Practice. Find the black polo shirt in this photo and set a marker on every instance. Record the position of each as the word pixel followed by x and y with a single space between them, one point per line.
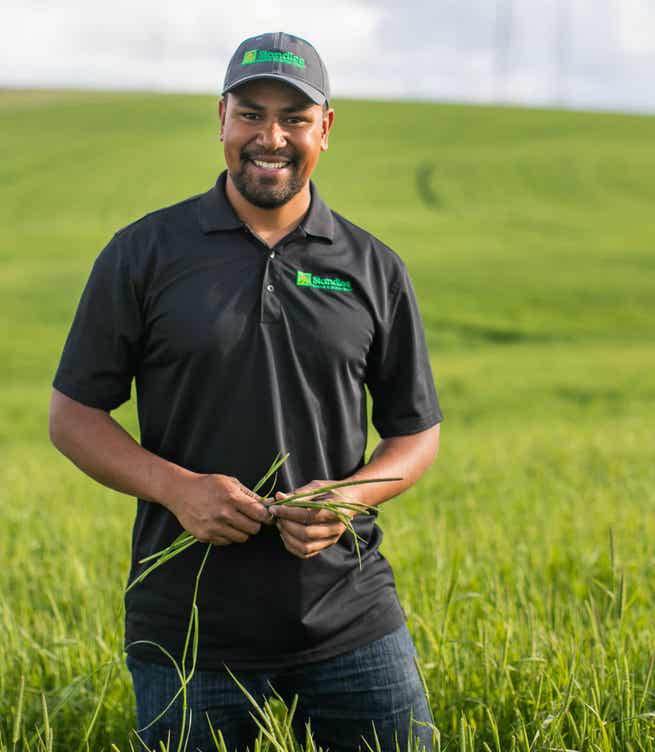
pixel 239 351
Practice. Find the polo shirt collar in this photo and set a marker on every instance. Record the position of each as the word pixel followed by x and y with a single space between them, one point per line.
pixel 318 221
pixel 216 213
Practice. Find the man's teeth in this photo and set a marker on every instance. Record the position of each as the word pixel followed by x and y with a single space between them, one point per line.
pixel 270 165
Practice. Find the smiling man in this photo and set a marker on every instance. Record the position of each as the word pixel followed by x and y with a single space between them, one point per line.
pixel 251 319
pixel 270 173
pixel 273 135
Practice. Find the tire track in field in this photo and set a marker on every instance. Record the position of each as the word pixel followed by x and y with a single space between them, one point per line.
pixel 426 192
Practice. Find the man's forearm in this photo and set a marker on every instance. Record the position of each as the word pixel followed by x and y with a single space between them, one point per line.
pixel 406 457
pixel 104 450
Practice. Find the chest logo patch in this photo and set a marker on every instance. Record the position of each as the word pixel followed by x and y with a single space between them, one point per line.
pixel 307 279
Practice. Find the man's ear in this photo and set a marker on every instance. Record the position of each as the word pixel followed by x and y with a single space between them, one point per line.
pixel 222 107
pixel 326 127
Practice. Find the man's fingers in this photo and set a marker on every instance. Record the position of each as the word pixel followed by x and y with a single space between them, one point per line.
pixel 243 523
pixel 315 485
pixel 234 533
pixel 251 507
pixel 305 550
pixel 310 533
pixel 296 547
pixel 304 516
pixel 271 518
pixel 223 536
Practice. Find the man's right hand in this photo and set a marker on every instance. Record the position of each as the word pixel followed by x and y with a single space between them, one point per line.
pixel 218 509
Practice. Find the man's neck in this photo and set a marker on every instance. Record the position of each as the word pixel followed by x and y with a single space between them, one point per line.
pixel 270 225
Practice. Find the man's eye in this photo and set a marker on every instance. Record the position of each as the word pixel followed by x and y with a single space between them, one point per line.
pixel 250 115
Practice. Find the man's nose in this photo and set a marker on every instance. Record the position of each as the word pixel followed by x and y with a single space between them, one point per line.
pixel 272 135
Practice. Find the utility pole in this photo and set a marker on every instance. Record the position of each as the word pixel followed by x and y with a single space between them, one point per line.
pixel 504 23
pixel 562 52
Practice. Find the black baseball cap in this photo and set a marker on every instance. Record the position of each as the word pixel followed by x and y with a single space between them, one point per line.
pixel 283 57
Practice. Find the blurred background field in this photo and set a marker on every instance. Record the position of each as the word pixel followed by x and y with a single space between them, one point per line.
pixel 524 557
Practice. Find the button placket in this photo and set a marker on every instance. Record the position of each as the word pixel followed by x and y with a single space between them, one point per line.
pixel 270 308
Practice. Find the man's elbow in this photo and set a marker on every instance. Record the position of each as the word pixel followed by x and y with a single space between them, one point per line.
pixel 65 418
pixel 434 434
pixel 424 450
pixel 56 419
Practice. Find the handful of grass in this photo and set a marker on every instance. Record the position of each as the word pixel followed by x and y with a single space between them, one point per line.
pixel 306 500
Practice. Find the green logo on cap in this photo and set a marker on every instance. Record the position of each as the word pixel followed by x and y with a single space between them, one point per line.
pixel 307 279
pixel 269 56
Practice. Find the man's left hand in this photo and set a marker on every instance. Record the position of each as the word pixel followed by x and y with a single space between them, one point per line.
pixel 306 532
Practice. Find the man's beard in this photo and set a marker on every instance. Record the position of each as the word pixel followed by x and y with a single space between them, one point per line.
pixel 258 193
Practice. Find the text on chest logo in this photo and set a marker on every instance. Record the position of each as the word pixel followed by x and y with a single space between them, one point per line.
pixel 307 279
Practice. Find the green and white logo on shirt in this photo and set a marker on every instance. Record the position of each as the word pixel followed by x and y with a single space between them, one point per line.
pixel 307 279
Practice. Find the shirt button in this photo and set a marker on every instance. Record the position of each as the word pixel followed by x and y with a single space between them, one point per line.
pixel 272 254
pixel 270 288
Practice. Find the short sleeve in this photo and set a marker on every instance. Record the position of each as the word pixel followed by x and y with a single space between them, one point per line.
pixel 399 375
pixel 99 358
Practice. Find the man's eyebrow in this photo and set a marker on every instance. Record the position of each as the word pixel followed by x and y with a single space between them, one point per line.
pixel 299 106
pixel 243 102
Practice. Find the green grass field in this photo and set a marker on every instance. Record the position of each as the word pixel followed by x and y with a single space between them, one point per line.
pixel 525 556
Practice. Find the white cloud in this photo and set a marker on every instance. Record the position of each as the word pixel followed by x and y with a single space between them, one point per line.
pixel 637 27
pixel 579 52
pixel 164 45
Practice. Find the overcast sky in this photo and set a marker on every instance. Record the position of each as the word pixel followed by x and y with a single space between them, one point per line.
pixel 577 53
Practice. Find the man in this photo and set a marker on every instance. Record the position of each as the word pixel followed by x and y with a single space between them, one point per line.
pixel 251 317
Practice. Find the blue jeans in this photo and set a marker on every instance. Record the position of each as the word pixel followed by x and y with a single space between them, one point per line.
pixel 342 697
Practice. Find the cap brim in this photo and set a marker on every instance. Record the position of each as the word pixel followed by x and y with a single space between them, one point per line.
pixel 309 91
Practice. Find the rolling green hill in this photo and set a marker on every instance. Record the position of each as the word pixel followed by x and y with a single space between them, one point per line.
pixel 530 238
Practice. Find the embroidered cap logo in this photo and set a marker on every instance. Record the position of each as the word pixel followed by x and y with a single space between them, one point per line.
pixel 273 56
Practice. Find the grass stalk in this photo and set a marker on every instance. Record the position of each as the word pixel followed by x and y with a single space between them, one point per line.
pixel 15 736
pixel 98 707
pixel 47 730
pixel 306 500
